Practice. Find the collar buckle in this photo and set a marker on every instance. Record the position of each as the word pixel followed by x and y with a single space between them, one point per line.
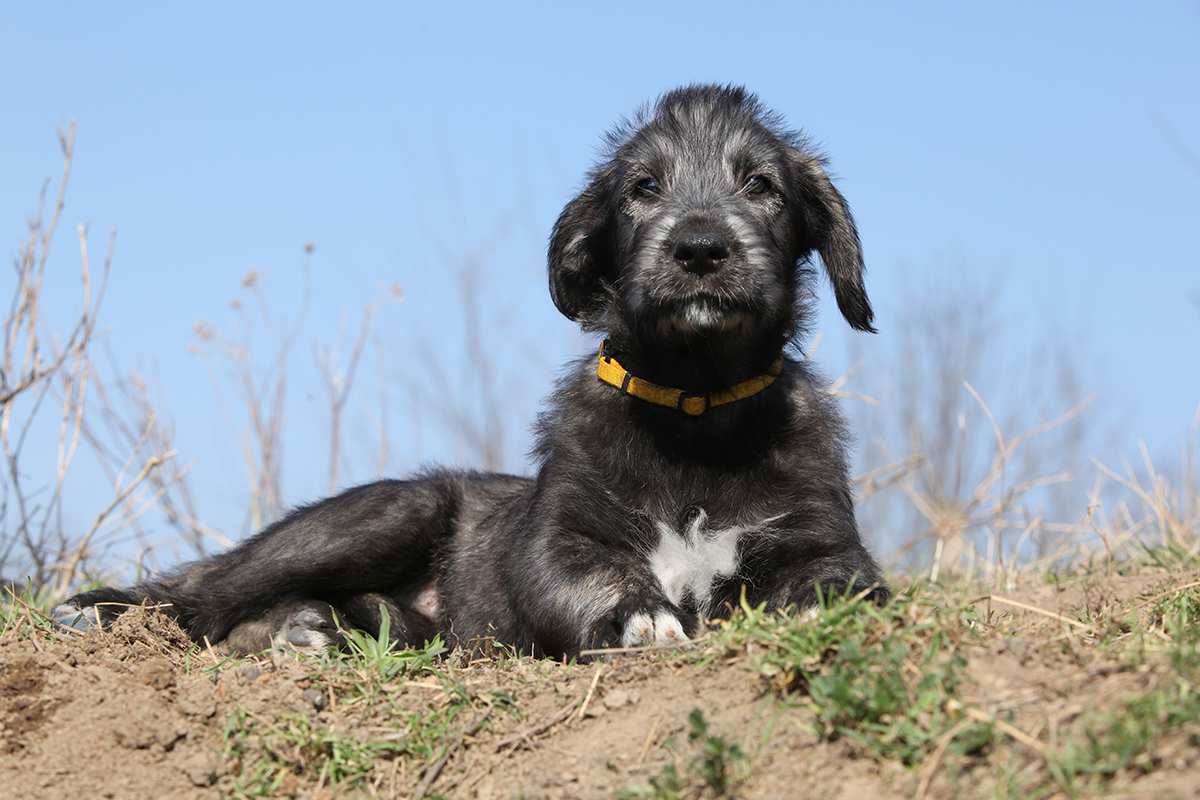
pixel 692 404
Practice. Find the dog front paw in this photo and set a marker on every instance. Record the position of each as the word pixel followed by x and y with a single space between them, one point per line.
pixel 639 622
pixel 660 627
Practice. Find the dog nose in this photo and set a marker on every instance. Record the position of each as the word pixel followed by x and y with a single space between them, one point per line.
pixel 701 253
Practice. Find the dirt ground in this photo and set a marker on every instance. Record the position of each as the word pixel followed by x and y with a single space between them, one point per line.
pixel 136 712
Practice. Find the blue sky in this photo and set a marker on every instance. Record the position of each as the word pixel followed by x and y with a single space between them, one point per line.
pixel 1052 145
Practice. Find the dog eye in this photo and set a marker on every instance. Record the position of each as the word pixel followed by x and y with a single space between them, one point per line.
pixel 757 184
pixel 647 187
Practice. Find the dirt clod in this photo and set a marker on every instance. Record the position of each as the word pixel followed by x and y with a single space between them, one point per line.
pixel 617 698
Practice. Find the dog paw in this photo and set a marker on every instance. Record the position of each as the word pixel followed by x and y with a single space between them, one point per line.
pixel 94 609
pixel 307 629
pixel 658 628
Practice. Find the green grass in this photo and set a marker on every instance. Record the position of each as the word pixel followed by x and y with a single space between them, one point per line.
pixel 292 751
pixel 379 655
pixel 1123 740
pixel 890 681
pixel 1115 742
pixel 266 755
pixel 715 770
pixel 886 679
pixel 1170 557
pixel 1177 614
pixel 24 613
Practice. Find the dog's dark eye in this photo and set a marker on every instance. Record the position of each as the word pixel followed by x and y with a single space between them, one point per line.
pixel 647 187
pixel 757 184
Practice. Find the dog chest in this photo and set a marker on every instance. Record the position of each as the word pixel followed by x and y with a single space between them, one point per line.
pixel 687 562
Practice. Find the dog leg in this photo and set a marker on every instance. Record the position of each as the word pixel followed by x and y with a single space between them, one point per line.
pixel 583 595
pixel 312 626
pixel 798 576
pixel 380 537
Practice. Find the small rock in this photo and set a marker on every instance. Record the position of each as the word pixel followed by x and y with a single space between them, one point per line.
pixel 249 673
pixel 201 770
pixel 1018 646
pixel 156 674
pixel 149 729
pixel 171 735
pixel 315 698
pixel 198 703
pixel 617 698
pixel 135 738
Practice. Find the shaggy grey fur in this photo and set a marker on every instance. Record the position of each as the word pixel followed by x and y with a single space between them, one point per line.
pixel 688 249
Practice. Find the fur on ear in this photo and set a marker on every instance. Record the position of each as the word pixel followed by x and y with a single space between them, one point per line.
pixel 579 254
pixel 832 233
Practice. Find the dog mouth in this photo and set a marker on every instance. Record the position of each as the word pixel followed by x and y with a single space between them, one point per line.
pixel 703 314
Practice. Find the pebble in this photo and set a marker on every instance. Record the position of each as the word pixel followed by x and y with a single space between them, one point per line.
pixel 249 673
pixel 617 698
pixel 315 698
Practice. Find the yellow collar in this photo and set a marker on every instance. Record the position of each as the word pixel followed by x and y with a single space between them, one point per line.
pixel 611 372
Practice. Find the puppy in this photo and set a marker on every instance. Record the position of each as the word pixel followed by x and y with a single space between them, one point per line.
pixel 690 460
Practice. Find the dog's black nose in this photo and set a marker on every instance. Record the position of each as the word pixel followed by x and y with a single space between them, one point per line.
pixel 701 253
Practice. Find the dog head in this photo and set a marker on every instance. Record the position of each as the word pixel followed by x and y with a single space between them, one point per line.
pixel 698 227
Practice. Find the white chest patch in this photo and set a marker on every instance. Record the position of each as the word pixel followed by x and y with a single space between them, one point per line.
pixel 687 562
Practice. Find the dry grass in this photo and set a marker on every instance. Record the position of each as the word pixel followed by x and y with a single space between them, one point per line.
pixel 45 384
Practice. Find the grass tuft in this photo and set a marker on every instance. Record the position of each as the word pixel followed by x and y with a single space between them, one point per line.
pixel 886 679
pixel 716 769
pixel 1122 740
pixel 278 756
pixel 23 612
pixel 380 655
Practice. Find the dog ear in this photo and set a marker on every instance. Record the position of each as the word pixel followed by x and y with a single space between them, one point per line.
pixel 830 230
pixel 579 256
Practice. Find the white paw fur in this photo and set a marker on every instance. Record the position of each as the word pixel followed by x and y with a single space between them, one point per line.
pixel 661 629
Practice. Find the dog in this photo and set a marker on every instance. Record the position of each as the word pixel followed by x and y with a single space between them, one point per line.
pixel 693 463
